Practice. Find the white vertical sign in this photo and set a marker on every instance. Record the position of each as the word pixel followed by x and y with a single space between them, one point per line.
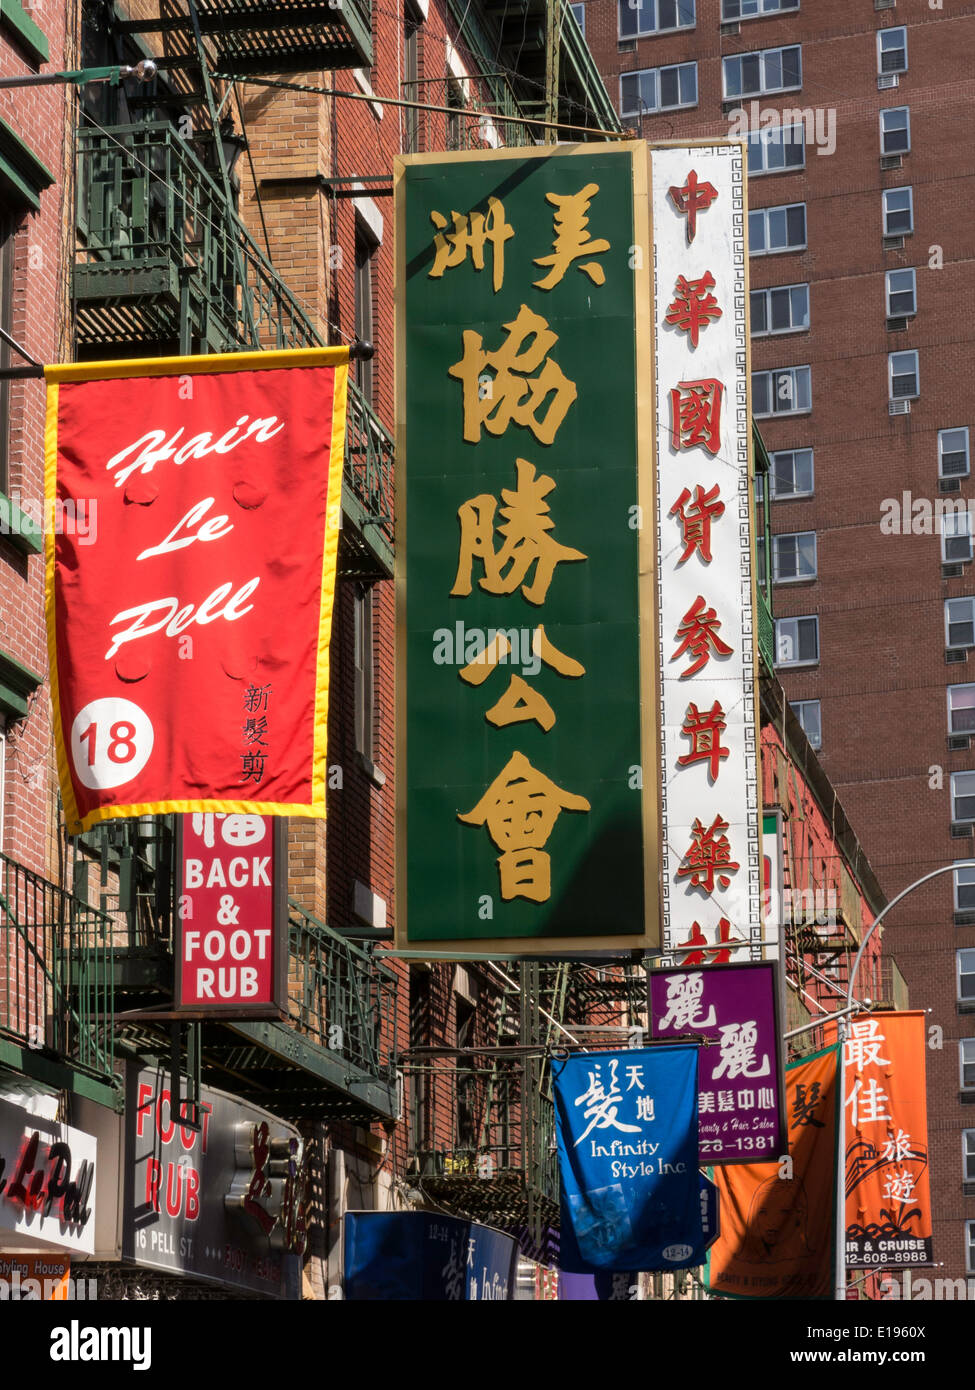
pixel 711 844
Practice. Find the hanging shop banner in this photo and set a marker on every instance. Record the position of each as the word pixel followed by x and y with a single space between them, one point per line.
pixel 888 1197
pixel 526 757
pixel 773 920
pixel 626 1124
pixel 778 1220
pixel 741 1089
pixel 422 1255
pixel 189 618
pixel 605 1287
pixel 712 872
pixel 47 1176
pixel 233 915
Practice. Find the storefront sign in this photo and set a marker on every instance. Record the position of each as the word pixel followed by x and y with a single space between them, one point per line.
pixel 712 895
pixel 741 1092
pixel 420 1255
pixel 233 918
pixel 47 1173
pixel 188 627
pixel 526 759
pixel 626 1124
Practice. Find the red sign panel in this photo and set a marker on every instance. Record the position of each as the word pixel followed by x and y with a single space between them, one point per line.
pixel 189 617
pixel 232 915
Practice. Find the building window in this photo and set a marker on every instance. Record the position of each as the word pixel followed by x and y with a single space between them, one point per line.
pixel 772 151
pixel 757 74
pixel 891 51
pixel 796 641
pixel 901 293
pixel 794 557
pixel 365 249
pixel 963 809
pixel 809 714
pixel 966 959
pixel 966 1061
pixel 457 101
pixel 365 689
pixel 640 17
pixel 579 14
pixel 777 229
pixel 903 380
pixel 658 89
pixel 953 453
pixel 898 211
pixel 784 309
pixel 970 1247
pixel 961 720
pixel 411 79
pixel 956 537
pixel 787 391
pixel 960 622
pixel 754 9
pixel 968 1155
pixel 895 130
pixel 791 473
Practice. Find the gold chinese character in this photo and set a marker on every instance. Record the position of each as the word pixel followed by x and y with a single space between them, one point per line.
pixel 572 239
pixel 520 809
pixel 513 394
pixel 471 232
pixel 521 702
pixel 525 531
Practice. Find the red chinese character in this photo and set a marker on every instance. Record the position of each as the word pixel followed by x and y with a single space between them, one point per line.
pixel 698 630
pixel 695 520
pixel 704 731
pixel 260 1186
pixel 720 952
pixel 693 198
pixel 708 853
pixel 695 415
pixel 694 306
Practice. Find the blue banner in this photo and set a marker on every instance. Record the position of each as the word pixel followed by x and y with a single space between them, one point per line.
pixel 631 1192
pixel 421 1255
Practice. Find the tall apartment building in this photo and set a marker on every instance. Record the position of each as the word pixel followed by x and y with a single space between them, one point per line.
pixel 860 120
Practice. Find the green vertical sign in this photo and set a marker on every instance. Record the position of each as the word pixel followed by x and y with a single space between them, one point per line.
pixel 527 764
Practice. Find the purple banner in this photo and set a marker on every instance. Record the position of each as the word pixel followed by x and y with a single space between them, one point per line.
pixel 741 1092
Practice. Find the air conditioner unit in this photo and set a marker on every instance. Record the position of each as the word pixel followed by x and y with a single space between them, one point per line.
pixel 961 829
pixel 886 80
pixel 951 571
pixel 893 243
pixel 954 654
pixel 884 4
pixel 958 743
pixel 965 919
pixel 626 46
pixel 897 325
pixel 898 407
pixel 728 31
pixel 891 161
pixel 949 485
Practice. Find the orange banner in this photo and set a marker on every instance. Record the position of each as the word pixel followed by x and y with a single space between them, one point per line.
pixel 778 1221
pixel 888 1198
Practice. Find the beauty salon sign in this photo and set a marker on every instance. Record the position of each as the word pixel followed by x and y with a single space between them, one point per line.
pixel 189 639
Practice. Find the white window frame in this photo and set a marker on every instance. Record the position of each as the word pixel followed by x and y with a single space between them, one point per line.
pixel 953 429
pixel 778 578
pixel 889 111
pixel 885 212
pixel 654 110
pixel 762 54
pixel 963 685
pixel 805 661
pixel 893 313
pixel 886 33
pixel 798 706
pixel 962 1063
pixel 904 396
pixel 968 1155
pixel 949 622
pixel 761 140
pixel 955 526
pixel 958 795
pixel 579 14
pixel 654 28
pixel 775 393
pixel 970 1247
pixel 765 8
pixel 770 332
pixel 968 969
pixel 766 215
pixel 779 453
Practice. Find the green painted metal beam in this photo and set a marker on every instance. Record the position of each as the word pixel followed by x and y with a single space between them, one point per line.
pixel 291 1047
pixel 60 1075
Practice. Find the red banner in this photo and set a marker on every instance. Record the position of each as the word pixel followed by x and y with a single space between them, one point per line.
pixel 190 576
